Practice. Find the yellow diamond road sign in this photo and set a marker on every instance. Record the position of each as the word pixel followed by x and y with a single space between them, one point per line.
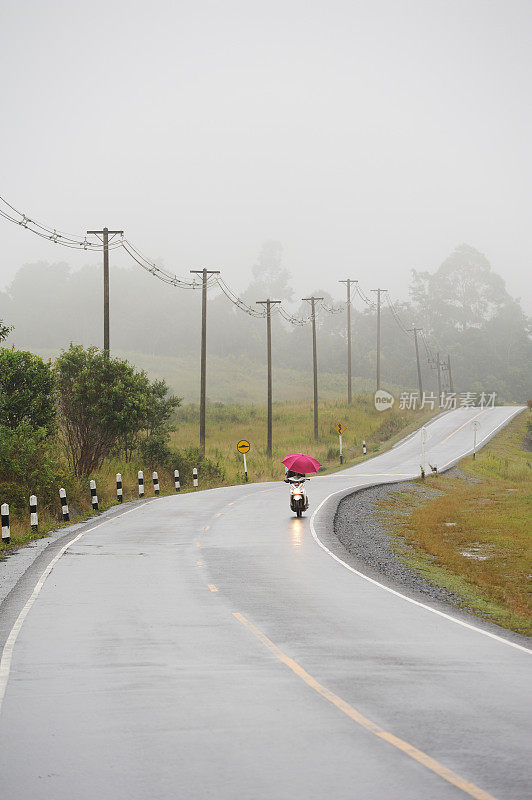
pixel 340 428
pixel 243 446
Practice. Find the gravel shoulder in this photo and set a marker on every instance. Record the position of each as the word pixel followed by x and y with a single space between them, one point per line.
pixel 361 530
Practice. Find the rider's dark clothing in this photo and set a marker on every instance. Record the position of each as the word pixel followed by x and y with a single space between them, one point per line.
pixel 291 474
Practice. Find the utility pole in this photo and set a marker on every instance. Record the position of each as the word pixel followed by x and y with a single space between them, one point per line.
pixel 420 385
pixel 203 388
pixel 438 363
pixel 378 335
pixel 348 283
pixel 451 385
pixel 313 301
pixel 269 303
pixel 105 233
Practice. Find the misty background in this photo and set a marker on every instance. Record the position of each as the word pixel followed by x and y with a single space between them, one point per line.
pixel 366 139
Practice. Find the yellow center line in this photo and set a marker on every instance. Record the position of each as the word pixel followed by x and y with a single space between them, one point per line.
pixel 418 755
pixel 212 587
pixel 462 426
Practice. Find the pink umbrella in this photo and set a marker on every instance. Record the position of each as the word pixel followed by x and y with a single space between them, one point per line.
pixel 302 463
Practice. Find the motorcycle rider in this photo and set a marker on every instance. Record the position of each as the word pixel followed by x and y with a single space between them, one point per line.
pixel 289 473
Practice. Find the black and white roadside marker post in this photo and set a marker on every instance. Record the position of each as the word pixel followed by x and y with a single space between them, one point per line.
pixel 364 448
pixel 177 484
pixel 244 447
pixel 94 496
pixel 34 516
pixel 195 477
pixel 119 490
pixel 6 530
pixel 155 479
pixel 64 505
pixel 141 483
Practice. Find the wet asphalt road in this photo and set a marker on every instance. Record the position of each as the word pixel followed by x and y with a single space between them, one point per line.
pixel 131 676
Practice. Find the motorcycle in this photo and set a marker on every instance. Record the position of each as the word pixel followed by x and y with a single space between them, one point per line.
pixel 298 496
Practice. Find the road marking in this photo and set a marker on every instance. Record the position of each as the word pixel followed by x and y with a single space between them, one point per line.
pixel 198 544
pixel 219 514
pixel 398 594
pixel 418 755
pixel 212 587
pixel 7 652
pixel 199 563
pixel 207 528
pixel 462 426
pixel 231 504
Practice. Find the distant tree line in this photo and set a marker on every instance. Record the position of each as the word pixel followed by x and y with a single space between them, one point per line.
pixel 463 308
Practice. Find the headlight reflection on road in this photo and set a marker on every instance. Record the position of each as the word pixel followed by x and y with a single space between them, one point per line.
pixel 296 533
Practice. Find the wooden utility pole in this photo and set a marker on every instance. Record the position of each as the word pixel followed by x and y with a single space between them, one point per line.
pixel 203 381
pixel 313 301
pixel 269 303
pixel 438 364
pixel 451 385
pixel 378 335
pixel 420 385
pixel 105 233
pixel 348 283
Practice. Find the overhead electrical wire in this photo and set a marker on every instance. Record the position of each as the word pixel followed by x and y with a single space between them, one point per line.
pixel 75 241
pixel 78 242
pixel 159 272
pixel 364 297
pixel 396 316
pixel 237 301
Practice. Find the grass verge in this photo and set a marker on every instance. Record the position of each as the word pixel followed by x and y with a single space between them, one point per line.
pixel 473 536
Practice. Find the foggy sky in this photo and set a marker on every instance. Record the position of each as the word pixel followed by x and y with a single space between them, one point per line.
pixel 367 137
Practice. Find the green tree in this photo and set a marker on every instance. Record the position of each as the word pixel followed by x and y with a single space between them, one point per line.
pixel 28 465
pixel 102 402
pixel 463 293
pixel 5 330
pixel 26 390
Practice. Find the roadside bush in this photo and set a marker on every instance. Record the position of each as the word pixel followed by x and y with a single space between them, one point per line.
pixel 185 461
pixel 26 390
pixel 28 465
pixel 105 403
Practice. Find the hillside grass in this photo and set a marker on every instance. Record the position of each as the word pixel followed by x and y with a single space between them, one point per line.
pixel 293 431
pixel 226 425
pixel 239 381
pixel 474 536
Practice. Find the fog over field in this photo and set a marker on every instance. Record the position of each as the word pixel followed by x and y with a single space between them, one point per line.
pixel 368 138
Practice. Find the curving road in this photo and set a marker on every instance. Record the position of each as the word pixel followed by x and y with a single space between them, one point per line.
pixel 210 645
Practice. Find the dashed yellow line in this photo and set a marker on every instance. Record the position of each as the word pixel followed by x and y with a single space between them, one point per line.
pixel 462 426
pixel 212 587
pixel 418 755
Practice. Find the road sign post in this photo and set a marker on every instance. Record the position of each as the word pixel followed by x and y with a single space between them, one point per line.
pixel 244 447
pixel 340 429
pixel 476 425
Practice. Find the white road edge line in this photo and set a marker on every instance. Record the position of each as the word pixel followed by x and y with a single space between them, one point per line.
pixel 399 594
pixel 7 652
